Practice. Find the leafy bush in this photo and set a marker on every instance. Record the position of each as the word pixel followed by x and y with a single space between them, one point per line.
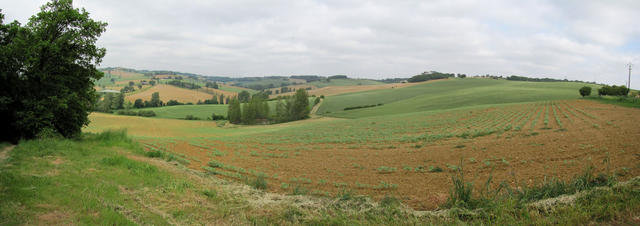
pixel 215 117
pixel 146 113
pixel 613 91
pixel 173 103
pixel 585 91
pixel 191 117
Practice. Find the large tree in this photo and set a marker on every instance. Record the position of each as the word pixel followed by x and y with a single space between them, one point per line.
pixel 47 72
pixel 300 107
pixel 234 113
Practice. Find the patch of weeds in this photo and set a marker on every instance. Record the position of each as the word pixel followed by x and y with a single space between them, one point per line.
pixel 210 193
pixel 299 190
pixel 435 169
pixel 154 154
pixel 386 169
pixel 340 184
pixel 453 167
pixel 284 185
pixel 292 214
pixel 385 186
pixel 389 201
pixel 259 183
pixel 215 164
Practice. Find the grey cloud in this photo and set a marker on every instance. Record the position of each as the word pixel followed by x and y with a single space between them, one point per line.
pixel 375 39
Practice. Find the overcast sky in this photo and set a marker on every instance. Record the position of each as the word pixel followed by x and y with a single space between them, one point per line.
pixel 585 40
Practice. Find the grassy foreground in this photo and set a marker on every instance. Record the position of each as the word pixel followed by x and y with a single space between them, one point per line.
pixel 108 179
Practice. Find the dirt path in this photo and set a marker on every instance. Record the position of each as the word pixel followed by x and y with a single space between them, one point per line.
pixel 4 153
pixel 315 108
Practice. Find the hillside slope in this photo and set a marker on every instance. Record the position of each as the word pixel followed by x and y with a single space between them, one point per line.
pixel 447 94
pixel 168 92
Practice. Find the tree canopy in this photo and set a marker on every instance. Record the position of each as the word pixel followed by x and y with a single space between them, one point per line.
pixel 47 72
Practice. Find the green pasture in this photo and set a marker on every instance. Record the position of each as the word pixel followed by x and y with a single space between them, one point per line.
pixel 344 82
pixel 447 94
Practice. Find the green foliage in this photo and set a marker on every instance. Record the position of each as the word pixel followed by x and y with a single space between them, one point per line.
pixel 234 112
pixel 554 187
pixel 257 110
pixel 613 91
pixel 191 117
pixel 138 103
pixel 155 100
pixel 432 75
pixel 259 183
pixel 585 91
pixel 143 113
pixel 47 71
pixel 181 84
pixel 212 85
pixel 244 96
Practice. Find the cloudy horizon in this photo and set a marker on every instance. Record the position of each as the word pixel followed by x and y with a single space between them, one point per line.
pixel 576 40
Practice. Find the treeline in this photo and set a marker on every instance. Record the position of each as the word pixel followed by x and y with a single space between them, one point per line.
pixel 256 110
pixel 186 85
pixel 613 90
pixel 363 106
pixel 431 75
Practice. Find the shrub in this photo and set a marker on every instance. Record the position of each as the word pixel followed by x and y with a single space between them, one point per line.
pixel 215 117
pixel 147 113
pixel 154 154
pixel 613 91
pixel 585 91
pixel 191 117
pixel 173 103
pixel 259 183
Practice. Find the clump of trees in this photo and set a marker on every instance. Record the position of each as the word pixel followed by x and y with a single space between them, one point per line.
pixel 47 72
pixel 613 91
pixel 585 91
pixel 431 75
pixel 244 96
pixel 142 113
pixel 110 102
pixel 257 109
pixel 212 85
pixel 181 84
pixel 294 108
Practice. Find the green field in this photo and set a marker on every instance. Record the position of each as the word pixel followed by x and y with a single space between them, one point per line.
pixel 202 111
pixel 344 82
pixel 447 94
pixel 237 90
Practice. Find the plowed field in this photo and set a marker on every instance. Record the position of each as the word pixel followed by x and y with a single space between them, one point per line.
pixel 401 155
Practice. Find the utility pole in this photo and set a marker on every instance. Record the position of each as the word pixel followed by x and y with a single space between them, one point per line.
pixel 629 81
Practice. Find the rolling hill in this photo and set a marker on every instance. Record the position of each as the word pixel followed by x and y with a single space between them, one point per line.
pixel 446 94
pixel 168 92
